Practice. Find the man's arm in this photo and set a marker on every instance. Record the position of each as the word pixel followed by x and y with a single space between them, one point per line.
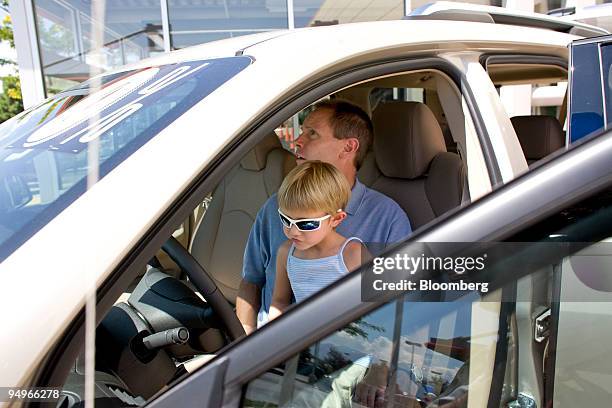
pixel 255 261
pixel 248 302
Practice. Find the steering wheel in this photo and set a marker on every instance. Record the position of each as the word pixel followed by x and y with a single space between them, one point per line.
pixel 206 286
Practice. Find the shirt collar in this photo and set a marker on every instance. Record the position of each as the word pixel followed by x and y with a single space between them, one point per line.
pixel 357 194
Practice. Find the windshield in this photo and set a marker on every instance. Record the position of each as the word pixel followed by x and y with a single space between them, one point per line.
pixel 44 151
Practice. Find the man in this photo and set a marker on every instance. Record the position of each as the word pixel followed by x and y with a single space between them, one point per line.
pixel 338 133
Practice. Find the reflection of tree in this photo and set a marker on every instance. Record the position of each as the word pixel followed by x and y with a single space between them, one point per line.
pixel 334 360
pixel 358 328
pixel 316 367
pixel 56 37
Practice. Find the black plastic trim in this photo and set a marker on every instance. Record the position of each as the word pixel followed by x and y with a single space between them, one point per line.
pixel 555 309
pixel 493 58
pixel 507 309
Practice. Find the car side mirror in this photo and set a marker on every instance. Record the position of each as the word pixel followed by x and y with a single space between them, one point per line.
pixel 14 193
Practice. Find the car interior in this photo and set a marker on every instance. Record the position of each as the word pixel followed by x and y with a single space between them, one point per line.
pixel 542 132
pixel 416 115
pixel 409 115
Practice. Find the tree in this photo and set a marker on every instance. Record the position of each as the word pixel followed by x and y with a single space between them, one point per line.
pixel 11 102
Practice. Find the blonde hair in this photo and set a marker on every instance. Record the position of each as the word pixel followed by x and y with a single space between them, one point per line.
pixel 314 185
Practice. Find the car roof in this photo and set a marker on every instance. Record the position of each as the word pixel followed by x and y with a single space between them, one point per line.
pixel 503 15
pixel 367 35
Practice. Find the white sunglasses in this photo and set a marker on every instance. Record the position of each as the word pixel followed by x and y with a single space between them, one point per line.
pixel 303 224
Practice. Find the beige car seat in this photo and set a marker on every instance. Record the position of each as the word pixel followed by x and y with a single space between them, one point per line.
pixel 539 135
pixel 410 163
pixel 220 237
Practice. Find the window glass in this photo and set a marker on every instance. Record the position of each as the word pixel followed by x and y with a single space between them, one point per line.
pixel 417 354
pixel 392 348
pixel 65 35
pixel 379 95
pixel 309 13
pixel 43 161
pixel 198 22
pixel 586 103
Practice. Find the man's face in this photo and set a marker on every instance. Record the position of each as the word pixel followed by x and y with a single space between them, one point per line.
pixel 317 141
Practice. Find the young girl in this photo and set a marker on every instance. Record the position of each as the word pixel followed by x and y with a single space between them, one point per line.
pixel 311 204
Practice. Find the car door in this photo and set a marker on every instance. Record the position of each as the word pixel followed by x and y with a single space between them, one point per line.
pixel 461 351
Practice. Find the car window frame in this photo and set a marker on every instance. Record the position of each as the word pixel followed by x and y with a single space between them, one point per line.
pixel 527 59
pixel 589 163
pixel 599 41
pixel 63 353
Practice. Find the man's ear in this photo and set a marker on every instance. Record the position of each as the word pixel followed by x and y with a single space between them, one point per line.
pixel 351 145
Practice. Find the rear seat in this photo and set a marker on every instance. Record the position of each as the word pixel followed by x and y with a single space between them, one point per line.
pixel 410 163
pixel 539 136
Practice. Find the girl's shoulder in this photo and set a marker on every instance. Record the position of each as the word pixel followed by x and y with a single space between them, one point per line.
pixel 354 254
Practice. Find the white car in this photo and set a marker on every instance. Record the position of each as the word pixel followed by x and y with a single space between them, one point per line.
pixel 97 178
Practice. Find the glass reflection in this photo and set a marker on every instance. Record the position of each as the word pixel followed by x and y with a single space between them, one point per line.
pixel 196 22
pixel 65 38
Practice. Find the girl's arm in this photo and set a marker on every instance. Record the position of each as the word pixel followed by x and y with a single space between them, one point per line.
pixel 355 254
pixel 281 297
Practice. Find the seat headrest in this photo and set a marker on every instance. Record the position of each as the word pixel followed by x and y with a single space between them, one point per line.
pixel 407 137
pixel 539 135
pixel 255 160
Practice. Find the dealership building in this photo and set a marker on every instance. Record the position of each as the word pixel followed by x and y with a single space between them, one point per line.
pixel 54 38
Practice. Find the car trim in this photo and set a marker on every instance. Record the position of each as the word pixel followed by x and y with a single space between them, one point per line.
pixel 555 309
pixel 603 39
pixel 218 167
pixel 492 59
pixel 484 138
pixel 502 15
pixel 603 87
pixel 506 311
pixel 570 60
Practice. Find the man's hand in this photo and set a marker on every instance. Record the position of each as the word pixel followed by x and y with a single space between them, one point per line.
pixel 370 392
pixel 248 301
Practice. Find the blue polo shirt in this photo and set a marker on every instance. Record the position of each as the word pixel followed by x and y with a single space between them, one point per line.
pixel 371 216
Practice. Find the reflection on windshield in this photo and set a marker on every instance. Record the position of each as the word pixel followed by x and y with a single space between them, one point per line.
pixel 43 151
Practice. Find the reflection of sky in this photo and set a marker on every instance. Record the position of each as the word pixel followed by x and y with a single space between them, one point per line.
pixel 421 322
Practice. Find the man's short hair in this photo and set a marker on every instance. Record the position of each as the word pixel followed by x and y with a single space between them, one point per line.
pixel 348 120
pixel 315 186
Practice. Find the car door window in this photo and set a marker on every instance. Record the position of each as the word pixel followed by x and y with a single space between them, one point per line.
pixel 415 354
pixel 388 349
pixel 591 90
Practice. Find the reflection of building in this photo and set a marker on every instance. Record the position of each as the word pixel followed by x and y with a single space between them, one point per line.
pixel 54 37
